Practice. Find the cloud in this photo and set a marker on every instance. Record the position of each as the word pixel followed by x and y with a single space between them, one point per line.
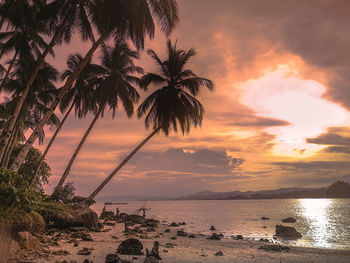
pixel 330 139
pixel 200 161
pixel 336 165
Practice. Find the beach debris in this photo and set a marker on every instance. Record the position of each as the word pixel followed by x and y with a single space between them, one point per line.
pixel 289 220
pixel 212 228
pixel 85 251
pixel 131 246
pixel 28 242
pixel 214 236
pixel 167 230
pixel 287 232
pixel 173 238
pixel 165 251
pixel 142 209
pixel 182 223
pixel 76 244
pixel 192 236
pixel 181 233
pixel 174 224
pixel 87 261
pixel 151 229
pixel 277 248
pixel 159 235
pixel 114 237
pixel 265 218
pixel 114 258
pixel 219 254
pixel 151 260
pixel 154 252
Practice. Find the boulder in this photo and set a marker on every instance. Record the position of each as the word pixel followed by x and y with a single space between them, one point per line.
pixel 214 236
pixel 114 258
pixel 219 254
pixel 167 230
pixel 28 242
pixel 287 232
pixel 212 228
pixel 85 251
pixel 136 219
pixel 289 220
pixel 109 215
pixel 265 218
pixel 63 216
pixel 131 246
pixel 174 224
pixel 150 223
pixel 181 233
pixel 191 236
pixel 277 248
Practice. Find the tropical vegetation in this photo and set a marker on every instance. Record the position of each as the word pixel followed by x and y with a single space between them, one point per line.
pixel 33 91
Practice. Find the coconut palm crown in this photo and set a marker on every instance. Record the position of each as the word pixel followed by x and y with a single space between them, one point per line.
pixel 174 104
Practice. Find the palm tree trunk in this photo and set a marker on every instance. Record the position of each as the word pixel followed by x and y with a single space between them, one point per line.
pixel 9 69
pixel 77 150
pixel 41 60
pixel 23 153
pixel 11 146
pixel 7 148
pixel 100 187
pixel 51 142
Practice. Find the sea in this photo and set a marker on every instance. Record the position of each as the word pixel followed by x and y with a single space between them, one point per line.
pixel 323 223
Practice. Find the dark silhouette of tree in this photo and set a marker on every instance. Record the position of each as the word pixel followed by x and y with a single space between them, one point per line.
pixel 173 105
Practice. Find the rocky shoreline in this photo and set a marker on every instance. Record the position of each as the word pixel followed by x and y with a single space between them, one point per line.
pixel 133 238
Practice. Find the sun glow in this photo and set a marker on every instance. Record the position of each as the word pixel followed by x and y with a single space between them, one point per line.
pixel 284 96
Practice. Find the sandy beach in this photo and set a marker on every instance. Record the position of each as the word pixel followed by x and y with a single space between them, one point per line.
pixel 184 249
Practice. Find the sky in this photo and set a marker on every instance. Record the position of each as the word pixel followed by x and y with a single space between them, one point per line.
pixel 279 115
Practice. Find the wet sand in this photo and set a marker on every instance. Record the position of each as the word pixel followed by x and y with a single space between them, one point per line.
pixel 190 250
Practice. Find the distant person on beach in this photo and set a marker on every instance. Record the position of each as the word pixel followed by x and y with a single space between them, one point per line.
pixel 104 209
pixel 117 212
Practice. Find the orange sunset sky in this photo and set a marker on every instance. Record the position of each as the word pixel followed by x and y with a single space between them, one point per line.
pixel 279 115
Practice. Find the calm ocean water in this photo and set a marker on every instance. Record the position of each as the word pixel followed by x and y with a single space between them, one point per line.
pixel 324 223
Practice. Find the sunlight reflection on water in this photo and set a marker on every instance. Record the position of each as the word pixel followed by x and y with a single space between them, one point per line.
pixel 322 222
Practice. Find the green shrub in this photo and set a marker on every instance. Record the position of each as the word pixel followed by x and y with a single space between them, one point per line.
pixel 64 193
pixel 15 194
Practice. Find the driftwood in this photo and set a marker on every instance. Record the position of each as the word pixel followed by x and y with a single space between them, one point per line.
pixel 142 209
pixel 155 251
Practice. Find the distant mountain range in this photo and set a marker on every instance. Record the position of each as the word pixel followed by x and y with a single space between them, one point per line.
pixel 339 189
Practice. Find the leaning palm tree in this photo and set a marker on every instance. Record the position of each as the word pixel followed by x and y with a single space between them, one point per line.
pixel 115 85
pixel 77 98
pixel 132 19
pixel 173 104
pixel 58 19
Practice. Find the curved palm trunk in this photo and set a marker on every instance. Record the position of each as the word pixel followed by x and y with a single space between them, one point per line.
pixel 41 60
pixel 23 153
pixel 9 69
pixel 100 187
pixel 50 143
pixel 77 150
pixel 11 146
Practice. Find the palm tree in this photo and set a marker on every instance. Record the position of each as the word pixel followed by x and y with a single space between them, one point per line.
pixel 43 92
pixel 173 104
pixel 78 98
pixel 23 40
pixel 58 18
pixel 131 19
pixel 114 86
